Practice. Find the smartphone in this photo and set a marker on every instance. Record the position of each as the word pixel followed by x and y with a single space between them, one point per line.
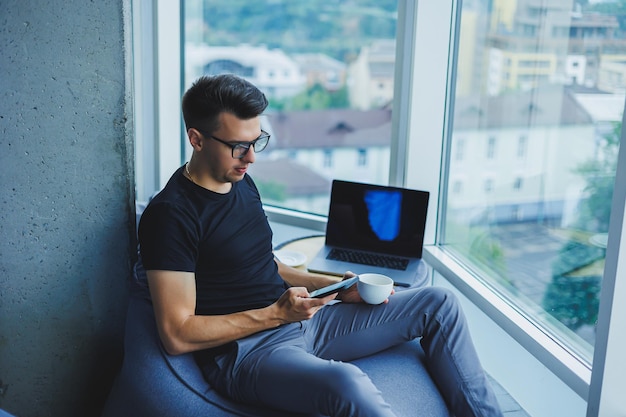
pixel 333 288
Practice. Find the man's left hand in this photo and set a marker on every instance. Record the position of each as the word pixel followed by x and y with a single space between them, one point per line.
pixel 351 295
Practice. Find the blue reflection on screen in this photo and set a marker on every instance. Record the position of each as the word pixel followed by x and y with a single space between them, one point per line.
pixel 383 212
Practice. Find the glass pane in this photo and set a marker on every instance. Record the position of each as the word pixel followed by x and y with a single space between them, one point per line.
pixel 535 134
pixel 327 69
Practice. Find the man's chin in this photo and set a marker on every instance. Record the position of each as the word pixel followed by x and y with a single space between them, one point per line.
pixel 236 177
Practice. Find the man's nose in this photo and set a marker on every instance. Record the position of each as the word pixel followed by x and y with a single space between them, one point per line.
pixel 250 156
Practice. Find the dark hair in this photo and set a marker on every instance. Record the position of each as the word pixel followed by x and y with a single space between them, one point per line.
pixel 211 95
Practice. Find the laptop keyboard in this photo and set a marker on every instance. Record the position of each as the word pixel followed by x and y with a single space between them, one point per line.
pixel 383 261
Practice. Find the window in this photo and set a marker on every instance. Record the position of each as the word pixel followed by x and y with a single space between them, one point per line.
pixel 362 157
pixel 491 147
pixel 564 201
pixel 459 146
pixel 488 185
pixel 522 143
pixel 328 72
pixel 328 158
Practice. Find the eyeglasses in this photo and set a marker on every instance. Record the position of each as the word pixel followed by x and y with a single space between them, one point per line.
pixel 240 149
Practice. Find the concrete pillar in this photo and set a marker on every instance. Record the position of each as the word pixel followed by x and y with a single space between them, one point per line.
pixel 66 203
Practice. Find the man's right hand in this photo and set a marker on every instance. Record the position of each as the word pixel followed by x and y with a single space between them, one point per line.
pixel 295 304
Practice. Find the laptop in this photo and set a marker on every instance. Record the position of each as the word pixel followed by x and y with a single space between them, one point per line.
pixel 374 229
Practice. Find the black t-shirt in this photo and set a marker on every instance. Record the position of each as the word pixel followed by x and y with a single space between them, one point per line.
pixel 225 239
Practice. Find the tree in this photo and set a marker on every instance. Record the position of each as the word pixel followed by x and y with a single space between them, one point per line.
pixel 572 295
pixel 337 28
pixel 599 174
pixel 614 8
pixel 315 97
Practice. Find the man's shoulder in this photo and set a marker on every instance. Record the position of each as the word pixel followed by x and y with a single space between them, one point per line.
pixel 169 204
pixel 165 207
pixel 174 194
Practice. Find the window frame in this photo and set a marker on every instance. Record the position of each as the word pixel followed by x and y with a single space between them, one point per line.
pixel 419 151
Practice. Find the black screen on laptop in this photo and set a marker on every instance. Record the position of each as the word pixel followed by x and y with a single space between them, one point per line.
pixel 375 218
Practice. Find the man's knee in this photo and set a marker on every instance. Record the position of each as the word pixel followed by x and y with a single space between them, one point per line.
pixel 344 378
pixel 443 298
pixel 436 306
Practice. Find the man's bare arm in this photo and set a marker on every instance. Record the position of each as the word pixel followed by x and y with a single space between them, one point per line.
pixel 181 330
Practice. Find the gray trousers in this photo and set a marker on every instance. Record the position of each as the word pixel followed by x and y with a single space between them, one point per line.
pixel 300 367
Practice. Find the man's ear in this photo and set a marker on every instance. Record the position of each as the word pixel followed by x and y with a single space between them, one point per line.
pixel 195 139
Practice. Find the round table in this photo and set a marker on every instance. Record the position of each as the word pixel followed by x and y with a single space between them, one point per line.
pixel 310 245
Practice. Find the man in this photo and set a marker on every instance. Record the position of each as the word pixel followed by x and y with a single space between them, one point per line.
pixel 258 337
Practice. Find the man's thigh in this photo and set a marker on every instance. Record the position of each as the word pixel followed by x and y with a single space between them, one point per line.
pixel 346 331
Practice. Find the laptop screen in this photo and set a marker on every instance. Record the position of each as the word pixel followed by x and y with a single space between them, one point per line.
pixel 376 218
